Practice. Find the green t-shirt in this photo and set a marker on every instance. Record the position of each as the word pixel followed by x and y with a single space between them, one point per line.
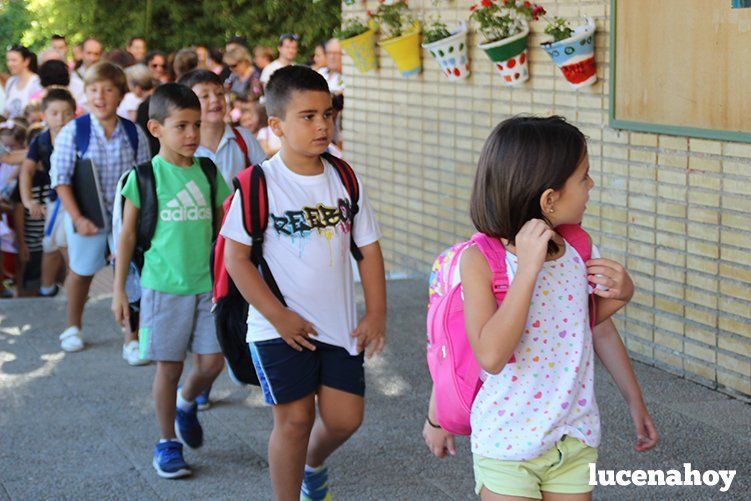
pixel 178 260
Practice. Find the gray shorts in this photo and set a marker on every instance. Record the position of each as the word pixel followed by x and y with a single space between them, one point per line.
pixel 172 324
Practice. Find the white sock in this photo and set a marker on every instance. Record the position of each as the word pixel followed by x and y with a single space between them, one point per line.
pixel 162 440
pixel 47 290
pixel 182 404
pixel 310 469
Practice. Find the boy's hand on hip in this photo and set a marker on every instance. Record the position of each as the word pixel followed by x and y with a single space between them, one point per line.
pixel 120 309
pixel 610 274
pixel 85 227
pixel 295 330
pixel 371 334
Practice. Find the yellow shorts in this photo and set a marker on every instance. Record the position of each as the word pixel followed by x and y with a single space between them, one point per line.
pixel 563 469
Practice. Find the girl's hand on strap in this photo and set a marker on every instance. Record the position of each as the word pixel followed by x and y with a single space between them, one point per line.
pixel 439 441
pixel 532 244
pixel 613 276
pixel 646 433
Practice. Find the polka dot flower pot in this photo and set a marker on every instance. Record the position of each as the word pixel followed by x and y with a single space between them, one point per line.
pixel 361 49
pixel 405 51
pixel 510 57
pixel 451 53
pixel 575 56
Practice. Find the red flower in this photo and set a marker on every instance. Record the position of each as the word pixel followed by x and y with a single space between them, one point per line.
pixel 487 3
pixel 368 13
pixel 474 7
pixel 527 4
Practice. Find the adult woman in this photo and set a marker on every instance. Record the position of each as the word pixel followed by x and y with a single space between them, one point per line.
pixel 24 81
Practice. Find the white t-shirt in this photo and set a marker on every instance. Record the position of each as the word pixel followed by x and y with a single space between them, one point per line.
pixel 307 247
pixel 16 98
pixel 269 70
pixel 272 140
pixel 228 157
pixel 76 88
pixel 129 104
pixel 333 78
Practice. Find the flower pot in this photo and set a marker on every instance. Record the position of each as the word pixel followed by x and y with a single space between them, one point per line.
pixel 510 57
pixel 361 49
pixel 575 56
pixel 405 51
pixel 451 53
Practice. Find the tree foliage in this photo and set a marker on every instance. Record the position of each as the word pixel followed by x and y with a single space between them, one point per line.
pixel 15 20
pixel 171 24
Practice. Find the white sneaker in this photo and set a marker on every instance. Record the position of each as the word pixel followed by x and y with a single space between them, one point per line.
pixel 71 340
pixel 132 355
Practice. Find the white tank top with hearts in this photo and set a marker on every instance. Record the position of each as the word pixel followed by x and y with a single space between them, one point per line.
pixel 548 391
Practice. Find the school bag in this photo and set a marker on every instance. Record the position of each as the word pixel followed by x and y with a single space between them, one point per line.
pixel 149 211
pixel 242 144
pixel 230 308
pixel 453 367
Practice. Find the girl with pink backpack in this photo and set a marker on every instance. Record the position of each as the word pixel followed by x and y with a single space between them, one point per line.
pixel 515 318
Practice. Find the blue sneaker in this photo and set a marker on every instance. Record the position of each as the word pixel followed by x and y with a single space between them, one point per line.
pixel 315 486
pixel 188 428
pixel 168 460
pixel 203 400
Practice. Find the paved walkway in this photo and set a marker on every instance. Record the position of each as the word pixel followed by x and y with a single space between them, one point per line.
pixel 81 426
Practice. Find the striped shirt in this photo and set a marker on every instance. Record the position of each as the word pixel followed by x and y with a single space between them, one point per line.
pixel 112 157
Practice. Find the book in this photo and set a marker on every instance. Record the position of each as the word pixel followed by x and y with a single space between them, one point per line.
pixel 88 192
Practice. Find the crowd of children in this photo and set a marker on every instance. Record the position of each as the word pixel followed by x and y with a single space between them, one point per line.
pixel 166 137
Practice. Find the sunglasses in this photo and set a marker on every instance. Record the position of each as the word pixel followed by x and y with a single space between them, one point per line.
pixel 157 65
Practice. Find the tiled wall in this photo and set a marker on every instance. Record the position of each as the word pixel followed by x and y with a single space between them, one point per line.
pixel 675 210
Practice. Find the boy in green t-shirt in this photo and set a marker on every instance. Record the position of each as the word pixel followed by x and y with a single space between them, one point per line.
pixel 176 278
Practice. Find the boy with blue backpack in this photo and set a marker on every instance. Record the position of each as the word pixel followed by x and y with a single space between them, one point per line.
pixel 297 218
pixel 172 208
pixel 113 145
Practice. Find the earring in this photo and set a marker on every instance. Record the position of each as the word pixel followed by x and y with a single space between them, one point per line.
pixel 551 210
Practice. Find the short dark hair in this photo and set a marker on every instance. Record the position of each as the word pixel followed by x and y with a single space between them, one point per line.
pixel 522 157
pixel 239 40
pixel 152 54
pixel 58 37
pixel 195 77
pixel 54 72
pixel 171 97
pixel 58 94
pixel 285 81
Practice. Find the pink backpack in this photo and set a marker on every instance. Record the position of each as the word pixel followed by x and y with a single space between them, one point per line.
pixel 453 367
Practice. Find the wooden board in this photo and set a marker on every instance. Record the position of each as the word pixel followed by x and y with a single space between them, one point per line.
pixel 683 67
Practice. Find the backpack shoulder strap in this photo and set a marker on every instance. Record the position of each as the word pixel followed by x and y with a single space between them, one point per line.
pixel 495 254
pixel 349 180
pixel 132 133
pixel 209 170
pixel 149 210
pixel 242 144
pixel 83 134
pixel 577 238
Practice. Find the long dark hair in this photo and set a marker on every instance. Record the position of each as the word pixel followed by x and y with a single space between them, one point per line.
pixel 522 157
pixel 25 54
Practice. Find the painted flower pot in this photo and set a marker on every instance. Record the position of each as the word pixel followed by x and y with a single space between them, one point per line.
pixel 361 49
pixel 405 51
pixel 451 53
pixel 575 56
pixel 510 57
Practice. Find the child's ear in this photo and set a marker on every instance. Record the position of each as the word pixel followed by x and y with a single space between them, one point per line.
pixel 547 201
pixel 276 126
pixel 155 128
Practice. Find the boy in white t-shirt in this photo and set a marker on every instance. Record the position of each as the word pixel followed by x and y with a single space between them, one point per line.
pixel 314 346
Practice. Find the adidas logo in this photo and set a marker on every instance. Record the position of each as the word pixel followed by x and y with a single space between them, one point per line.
pixel 188 205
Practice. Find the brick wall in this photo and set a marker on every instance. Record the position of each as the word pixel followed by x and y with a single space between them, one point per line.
pixel 675 210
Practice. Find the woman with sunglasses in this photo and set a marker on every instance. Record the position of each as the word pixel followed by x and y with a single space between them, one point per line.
pixel 24 81
pixel 157 63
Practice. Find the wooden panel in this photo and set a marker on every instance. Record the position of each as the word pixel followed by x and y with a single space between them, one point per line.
pixel 683 63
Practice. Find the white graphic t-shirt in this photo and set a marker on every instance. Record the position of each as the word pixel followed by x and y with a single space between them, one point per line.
pixel 547 389
pixel 307 247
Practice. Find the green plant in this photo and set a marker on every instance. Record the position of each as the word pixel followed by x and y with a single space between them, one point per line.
pixel 497 20
pixel 559 28
pixel 437 30
pixel 393 19
pixel 351 28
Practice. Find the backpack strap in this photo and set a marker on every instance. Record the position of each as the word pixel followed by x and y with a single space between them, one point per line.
pixel 242 144
pixel 209 170
pixel 148 212
pixel 251 183
pixel 580 240
pixel 83 134
pixel 349 180
pixel 132 133
pixel 495 255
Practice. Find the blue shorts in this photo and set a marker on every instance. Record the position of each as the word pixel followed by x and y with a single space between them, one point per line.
pixel 87 254
pixel 287 375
